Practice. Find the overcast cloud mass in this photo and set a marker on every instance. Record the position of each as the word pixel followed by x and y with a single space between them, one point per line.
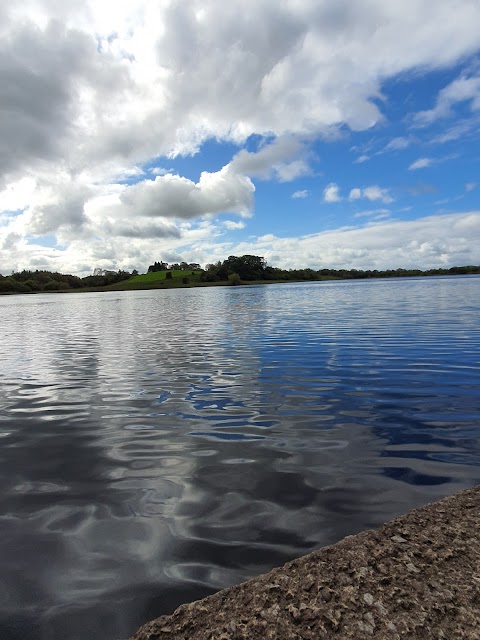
pixel 314 133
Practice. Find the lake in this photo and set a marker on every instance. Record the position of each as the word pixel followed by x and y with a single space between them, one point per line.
pixel 156 446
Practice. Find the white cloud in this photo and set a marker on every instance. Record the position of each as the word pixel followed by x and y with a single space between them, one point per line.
pixel 233 225
pixel 441 240
pixel 127 251
pixel 292 170
pixel 304 193
pixel 277 159
pixel 371 193
pixel 58 205
pixel 173 196
pixel 160 171
pixel 331 193
pixel 434 241
pixel 152 208
pixel 362 159
pixel 115 81
pixel 421 163
pixel 17 195
pixel 93 91
pixel 470 186
pixel 377 193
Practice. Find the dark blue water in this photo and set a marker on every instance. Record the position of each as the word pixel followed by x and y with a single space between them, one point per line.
pixel 156 446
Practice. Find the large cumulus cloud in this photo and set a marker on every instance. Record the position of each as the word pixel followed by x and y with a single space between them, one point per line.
pixel 159 78
pixel 92 89
pixel 175 196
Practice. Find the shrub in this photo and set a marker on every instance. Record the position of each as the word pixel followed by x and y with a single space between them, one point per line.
pixel 233 279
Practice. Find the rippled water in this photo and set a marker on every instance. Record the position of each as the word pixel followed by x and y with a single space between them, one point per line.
pixel 158 445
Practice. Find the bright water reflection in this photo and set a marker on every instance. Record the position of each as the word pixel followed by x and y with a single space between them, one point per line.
pixel 158 445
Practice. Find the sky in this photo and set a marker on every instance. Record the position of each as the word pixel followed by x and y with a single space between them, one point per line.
pixel 314 133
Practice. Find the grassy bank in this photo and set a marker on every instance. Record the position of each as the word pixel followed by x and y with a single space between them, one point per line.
pixel 184 279
pixel 158 280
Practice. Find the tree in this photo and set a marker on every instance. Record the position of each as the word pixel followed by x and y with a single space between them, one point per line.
pixel 51 285
pixel 158 266
pixel 248 267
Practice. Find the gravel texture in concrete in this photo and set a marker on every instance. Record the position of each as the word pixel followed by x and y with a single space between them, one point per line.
pixel 416 577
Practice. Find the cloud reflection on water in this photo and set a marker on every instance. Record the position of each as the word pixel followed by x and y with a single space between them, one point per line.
pixel 160 445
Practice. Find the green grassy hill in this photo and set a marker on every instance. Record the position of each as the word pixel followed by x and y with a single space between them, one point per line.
pixel 158 279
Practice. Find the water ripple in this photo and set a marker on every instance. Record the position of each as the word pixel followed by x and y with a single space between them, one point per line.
pixel 159 445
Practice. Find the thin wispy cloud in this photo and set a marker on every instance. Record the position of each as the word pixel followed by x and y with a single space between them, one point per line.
pixel 398 144
pixel 424 163
pixel 421 163
pixel 304 193
pixel 373 213
pixel 465 88
pixel 463 129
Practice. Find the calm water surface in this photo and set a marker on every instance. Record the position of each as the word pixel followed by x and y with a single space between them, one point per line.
pixel 156 446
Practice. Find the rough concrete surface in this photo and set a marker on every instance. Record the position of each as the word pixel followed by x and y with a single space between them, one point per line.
pixel 416 577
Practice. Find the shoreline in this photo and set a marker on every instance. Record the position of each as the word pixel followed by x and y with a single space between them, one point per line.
pixel 162 285
pixel 417 576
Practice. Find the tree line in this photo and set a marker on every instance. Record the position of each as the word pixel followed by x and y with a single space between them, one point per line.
pixel 248 268
pixel 234 270
pixel 176 266
pixel 35 281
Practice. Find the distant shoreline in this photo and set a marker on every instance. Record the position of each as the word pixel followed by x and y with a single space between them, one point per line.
pixel 177 282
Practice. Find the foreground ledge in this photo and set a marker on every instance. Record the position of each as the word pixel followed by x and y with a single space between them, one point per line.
pixel 416 577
